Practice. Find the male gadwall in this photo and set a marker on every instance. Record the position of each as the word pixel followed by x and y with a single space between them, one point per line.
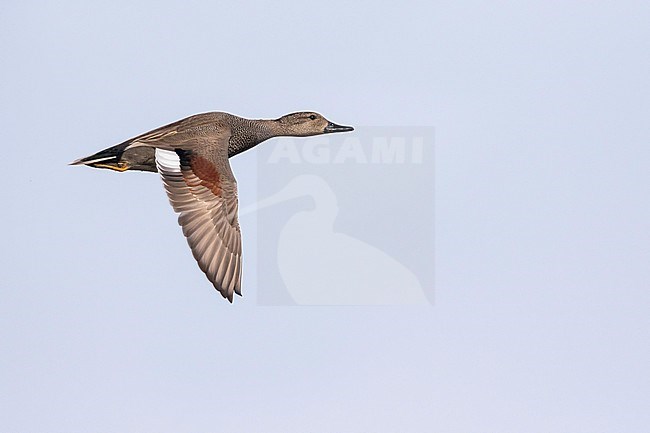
pixel 192 155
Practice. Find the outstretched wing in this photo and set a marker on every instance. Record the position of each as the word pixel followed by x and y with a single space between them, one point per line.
pixel 203 190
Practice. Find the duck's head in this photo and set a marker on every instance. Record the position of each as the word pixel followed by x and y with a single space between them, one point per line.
pixel 306 123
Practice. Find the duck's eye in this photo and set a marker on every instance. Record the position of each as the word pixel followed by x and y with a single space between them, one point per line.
pixel 312 117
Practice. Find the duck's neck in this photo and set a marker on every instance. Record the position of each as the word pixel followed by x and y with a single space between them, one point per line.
pixel 251 133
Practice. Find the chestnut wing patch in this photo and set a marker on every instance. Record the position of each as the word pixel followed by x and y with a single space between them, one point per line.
pixel 204 171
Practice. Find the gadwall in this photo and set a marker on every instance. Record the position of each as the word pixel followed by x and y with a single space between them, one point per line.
pixel 191 156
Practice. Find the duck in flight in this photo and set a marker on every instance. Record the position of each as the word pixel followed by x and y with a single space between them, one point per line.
pixel 191 156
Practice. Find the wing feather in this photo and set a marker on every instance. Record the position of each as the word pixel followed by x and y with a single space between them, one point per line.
pixel 202 189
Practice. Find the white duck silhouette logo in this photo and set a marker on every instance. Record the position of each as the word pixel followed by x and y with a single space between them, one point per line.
pixel 322 267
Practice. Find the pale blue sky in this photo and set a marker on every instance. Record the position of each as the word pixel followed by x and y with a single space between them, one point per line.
pixel 541 315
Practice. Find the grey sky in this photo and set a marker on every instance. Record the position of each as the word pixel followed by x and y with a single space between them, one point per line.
pixel 542 224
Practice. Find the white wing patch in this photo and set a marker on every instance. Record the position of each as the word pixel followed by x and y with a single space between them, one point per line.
pixel 167 161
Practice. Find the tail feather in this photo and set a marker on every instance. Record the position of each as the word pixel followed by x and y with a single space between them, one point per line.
pixel 111 154
pixel 108 158
pixel 121 157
